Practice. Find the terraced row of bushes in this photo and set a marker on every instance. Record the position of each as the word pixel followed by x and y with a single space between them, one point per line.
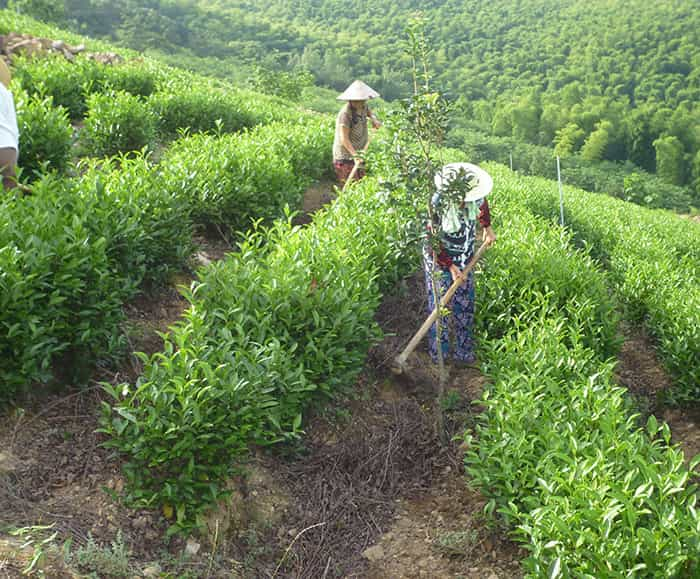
pixel 232 178
pixel 282 323
pixel 180 98
pixel 654 262
pixel 70 255
pixel 119 122
pixel 559 450
pixel 124 108
pixel 76 249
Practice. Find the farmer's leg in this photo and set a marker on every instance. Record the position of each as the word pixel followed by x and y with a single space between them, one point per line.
pixel 463 312
pixel 443 282
pixel 8 161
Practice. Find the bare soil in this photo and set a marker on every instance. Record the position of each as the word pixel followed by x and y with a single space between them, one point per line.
pixel 641 372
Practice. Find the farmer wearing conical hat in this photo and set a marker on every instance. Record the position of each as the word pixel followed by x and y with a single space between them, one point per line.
pixel 351 137
pixel 9 133
pixel 459 203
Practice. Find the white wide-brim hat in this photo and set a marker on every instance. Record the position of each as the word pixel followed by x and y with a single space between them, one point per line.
pixel 358 91
pixel 449 172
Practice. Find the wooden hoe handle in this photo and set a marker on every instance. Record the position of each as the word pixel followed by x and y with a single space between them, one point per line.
pixel 352 175
pixel 400 361
pixel 357 164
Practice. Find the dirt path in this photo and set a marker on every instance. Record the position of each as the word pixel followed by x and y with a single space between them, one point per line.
pixel 439 531
pixel 316 196
pixel 641 372
pixel 374 488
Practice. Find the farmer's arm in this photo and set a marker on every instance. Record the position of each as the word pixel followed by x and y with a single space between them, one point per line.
pixel 485 221
pixel 375 121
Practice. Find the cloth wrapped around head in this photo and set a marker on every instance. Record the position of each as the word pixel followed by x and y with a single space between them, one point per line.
pixel 480 183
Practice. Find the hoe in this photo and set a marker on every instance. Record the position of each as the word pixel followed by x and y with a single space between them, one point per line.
pixel 399 366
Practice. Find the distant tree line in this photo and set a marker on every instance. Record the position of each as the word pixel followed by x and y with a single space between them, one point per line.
pixel 616 80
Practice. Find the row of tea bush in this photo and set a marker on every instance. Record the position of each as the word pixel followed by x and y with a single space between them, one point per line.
pixel 653 257
pixel 124 107
pixel 282 323
pixel 559 450
pixel 77 248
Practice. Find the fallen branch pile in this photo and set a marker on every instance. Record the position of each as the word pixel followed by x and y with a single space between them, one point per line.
pixel 16 43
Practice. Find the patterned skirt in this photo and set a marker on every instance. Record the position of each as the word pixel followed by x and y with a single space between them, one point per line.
pixel 459 324
pixel 343 168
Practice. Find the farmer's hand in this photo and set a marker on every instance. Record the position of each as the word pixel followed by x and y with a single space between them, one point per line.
pixel 489 236
pixel 455 272
pixel 376 123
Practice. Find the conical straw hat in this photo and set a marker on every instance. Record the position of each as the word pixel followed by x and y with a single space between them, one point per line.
pixel 358 91
pixel 5 75
pixel 484 182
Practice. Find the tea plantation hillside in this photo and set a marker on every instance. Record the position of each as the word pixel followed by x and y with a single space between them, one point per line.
pixel 177 461
pixel 124 162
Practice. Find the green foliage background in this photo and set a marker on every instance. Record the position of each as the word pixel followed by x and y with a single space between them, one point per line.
pixel 614 80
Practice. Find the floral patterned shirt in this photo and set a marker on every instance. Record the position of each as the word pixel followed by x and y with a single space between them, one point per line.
pixel 456 246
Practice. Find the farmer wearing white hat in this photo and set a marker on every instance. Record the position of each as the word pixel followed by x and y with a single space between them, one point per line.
pixel 9 133
pixel 459 202
pixel 351 137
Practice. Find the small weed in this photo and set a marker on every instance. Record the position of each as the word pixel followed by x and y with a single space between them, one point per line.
pixel 101 561
pixel 451 401
pixel 255 546
pixel 32 538
pixel 457 543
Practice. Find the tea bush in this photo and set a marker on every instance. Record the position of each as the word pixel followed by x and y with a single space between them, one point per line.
pixel 654 262
pixel 304 141
pixel 137 77
pixel 45 136
pixel 286 321
pixel 68 83
pixel 264 109
pixel 58 294
pixel 197 111
pixel 559 453
pixel 117 122
pixel 197 107
pixel 148 233
pixel 71 254
pixel 188 102
pixel 233 179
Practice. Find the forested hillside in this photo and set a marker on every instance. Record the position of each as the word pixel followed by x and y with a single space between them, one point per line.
pixel 603 79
